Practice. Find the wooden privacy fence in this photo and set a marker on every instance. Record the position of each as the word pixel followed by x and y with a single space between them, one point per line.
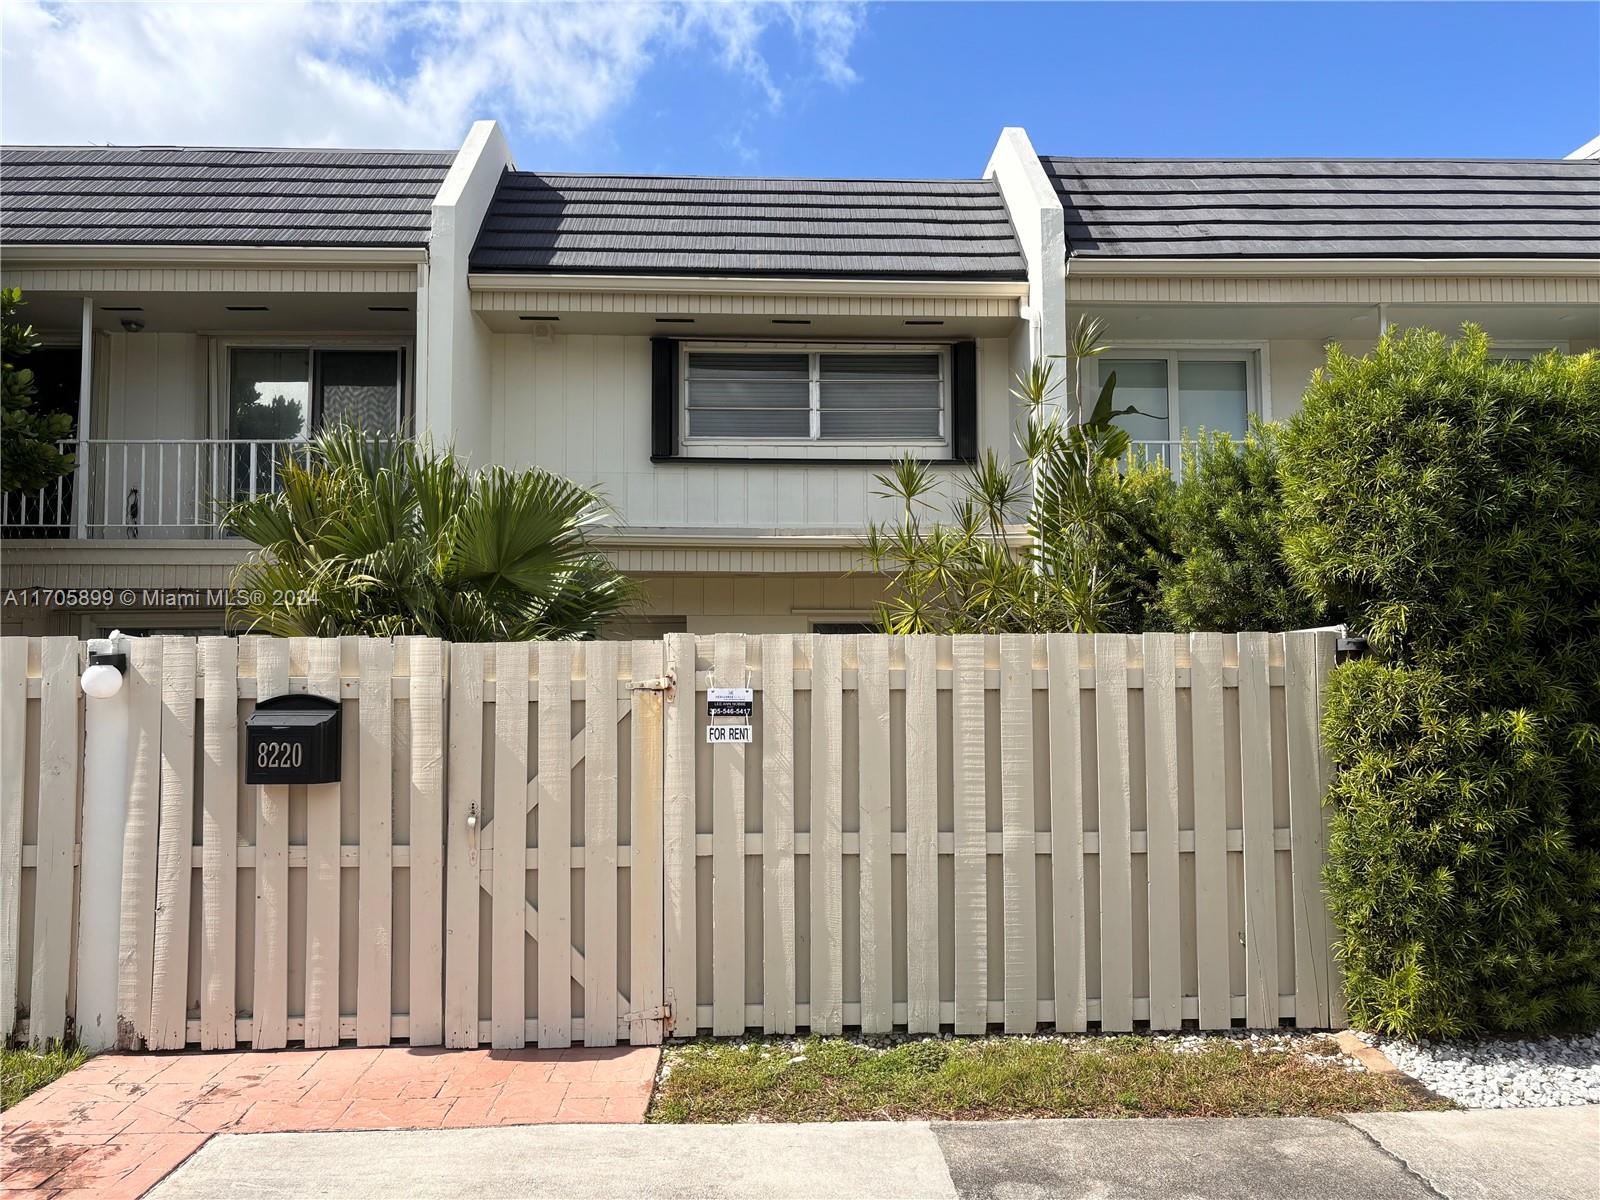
pixel 535 843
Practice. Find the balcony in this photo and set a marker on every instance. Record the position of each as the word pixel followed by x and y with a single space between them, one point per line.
pixel 149 488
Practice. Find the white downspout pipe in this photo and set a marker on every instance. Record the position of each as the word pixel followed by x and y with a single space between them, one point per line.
pixel 105 814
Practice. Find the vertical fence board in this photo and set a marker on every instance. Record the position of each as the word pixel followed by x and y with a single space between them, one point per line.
pixel 466 814
pixel 1326 937
pixel 136 936
pixel 219 837
pixel 1307 849
pixel 678 845
pixel 1066 832
pixel 971 836
pixel 646 769
pixel 922 835
pixel 1116 851
pixel 1260 868
pixel 425 990
pixel 322 868
pixel 555 844
pixel 777 833
pixel 600 845
pixel 270 1007
pixel 1211 925
pixel 13 766
pixel 508 926
pixel 876 831
pixel 727 853
pixel 175 847
pixel 1017 833
pixel 60 757
pixel 827 837
pixel 1161 826
pixel 375 882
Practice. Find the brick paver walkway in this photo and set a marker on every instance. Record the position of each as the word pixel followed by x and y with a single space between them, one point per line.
pixel 117 1125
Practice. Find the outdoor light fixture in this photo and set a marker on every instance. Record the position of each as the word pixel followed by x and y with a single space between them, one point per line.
pixel 102 678
pixel 133 324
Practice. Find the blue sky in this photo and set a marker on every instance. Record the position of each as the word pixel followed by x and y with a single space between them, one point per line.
pixel 935 82
pixel 801 87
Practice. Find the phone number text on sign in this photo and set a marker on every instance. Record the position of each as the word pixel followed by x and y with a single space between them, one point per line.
pixel 730 735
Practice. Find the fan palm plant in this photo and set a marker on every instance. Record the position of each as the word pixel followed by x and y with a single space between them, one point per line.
pixel 376 538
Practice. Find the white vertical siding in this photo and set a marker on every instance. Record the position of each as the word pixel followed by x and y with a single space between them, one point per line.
pixel 579 404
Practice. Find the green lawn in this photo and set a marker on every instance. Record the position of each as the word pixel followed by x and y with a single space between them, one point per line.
pixel 835 1079
pixel 23 1071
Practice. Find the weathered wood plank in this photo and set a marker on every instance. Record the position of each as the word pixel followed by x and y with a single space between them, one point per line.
pixel 466 800
pixel 922 835
pixel 876 878
pixel 645 864
pixel 1307 850
pixel 1116 862
pixel 322 866
pixel 600 845
pixel 1066 833
pixel 777 833
pixel 555 844
pixel 219 838
pixel 678 845
pixel 827 838
pixel 727 853
pixel 1161 824
pixel 971 836
pixel 1260 868
pixel 508 940
pixel 1212 941
pixel 1017 834
pixel 14 766
pixel 60 760
pixel 270 1005
pixel 426 851
pixel 375 879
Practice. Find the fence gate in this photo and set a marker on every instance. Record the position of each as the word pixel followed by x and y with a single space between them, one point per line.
pixel 553 874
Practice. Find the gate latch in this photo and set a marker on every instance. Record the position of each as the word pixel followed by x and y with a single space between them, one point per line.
pixel 661 1012
pixel 665 683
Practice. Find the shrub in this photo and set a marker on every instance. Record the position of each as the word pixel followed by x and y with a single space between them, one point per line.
pixel 1227 569
pixel 1095 526
pixel 381 539
pixel 1449 503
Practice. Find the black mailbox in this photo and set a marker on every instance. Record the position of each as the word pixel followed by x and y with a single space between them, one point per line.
pixel 293 739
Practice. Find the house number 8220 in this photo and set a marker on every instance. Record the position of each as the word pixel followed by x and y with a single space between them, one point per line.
pixel 279 754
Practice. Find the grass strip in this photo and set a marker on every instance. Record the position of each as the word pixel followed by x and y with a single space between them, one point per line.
pixel 838 1079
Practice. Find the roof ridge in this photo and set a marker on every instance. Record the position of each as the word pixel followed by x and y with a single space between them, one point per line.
pixel 225 149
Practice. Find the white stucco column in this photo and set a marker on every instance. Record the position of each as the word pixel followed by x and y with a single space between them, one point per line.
pixel 105 814
pixel 1040 221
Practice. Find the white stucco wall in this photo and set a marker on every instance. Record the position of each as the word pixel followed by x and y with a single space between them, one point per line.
pixel 579 405
pixel 454 359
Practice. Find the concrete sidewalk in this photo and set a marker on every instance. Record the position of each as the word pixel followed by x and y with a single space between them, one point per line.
pixel 1552 1154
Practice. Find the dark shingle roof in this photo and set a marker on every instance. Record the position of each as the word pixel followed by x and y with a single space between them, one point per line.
pixel 170 196
pixel 1304 208
pixel 833 228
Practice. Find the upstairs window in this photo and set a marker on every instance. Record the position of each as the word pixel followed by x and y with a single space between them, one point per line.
pixel 833 394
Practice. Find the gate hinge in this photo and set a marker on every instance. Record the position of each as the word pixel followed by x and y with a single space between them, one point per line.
pixel 661 1012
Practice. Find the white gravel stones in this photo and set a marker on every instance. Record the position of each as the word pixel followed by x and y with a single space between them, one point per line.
pixel 1503 1073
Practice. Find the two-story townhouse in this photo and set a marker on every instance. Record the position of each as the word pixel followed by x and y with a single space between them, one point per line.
pixel 200 310
pixel 732 360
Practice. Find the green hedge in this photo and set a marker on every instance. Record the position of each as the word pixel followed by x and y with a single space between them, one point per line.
pixel 1449 503
pixel 1225 568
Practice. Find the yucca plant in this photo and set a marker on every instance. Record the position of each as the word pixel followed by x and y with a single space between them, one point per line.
pixel 382 538
pixel 1068 537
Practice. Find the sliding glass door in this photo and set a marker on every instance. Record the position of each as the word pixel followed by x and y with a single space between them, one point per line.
pixel 1179 394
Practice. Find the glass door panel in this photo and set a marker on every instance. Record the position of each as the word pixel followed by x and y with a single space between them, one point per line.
pixel 1213 395
pixel 1142 385
pixel 360 388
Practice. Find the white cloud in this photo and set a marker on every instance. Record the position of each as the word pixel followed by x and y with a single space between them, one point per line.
pixel 384 74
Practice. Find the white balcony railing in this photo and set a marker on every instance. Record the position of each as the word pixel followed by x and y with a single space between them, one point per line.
pixel 148 487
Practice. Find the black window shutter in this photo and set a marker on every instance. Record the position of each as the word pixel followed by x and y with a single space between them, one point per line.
pixel 663 398
pixel 964 401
